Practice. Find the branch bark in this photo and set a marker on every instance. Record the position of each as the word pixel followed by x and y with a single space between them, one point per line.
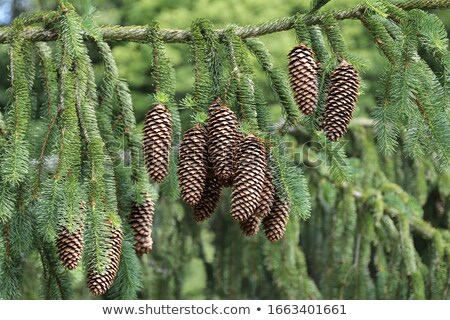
pixel 140 33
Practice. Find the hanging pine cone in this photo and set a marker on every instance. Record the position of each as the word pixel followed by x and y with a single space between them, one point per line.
pixel 204 209
pixel 275 224
pixel 303 78
pixel 192 164
pixel 70 247
pixel 222 139
pixel 70 244
pixel 341 100
pixel 157 142
pixel 249 180
pixel 267 195
pixel 250 227
pixel 141 220
pixel 97 283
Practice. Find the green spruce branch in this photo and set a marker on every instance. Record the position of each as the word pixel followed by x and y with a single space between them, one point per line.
pixel 140 33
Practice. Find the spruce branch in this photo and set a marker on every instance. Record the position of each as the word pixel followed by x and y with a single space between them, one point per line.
pixel 116 94
pixel 214 59
pixel 43 151
pixel 278 80
pixel 16 153
pixel 79 112
pixel 301 30
pixel 334 36
pixel 164 77
pixel 140 33
pixel 242 75
pixel 203 80
pixel 383 39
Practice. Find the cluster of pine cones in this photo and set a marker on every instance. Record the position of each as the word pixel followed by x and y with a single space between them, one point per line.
pixel 217 156
pixel 70 246
pixel 213 157
pixel 342 94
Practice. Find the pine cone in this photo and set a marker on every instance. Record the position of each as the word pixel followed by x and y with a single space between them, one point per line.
pixel 210 198
pixel 341 100
pixel 250 227
pixel 157 142
pixel 275 224
pixel 267 196
pixel 141 220
pixel 98 284
pixel 192 164
pixel 222 139
pixel 249 180
pixel 70 247
pixel 70 244
pixel 303 77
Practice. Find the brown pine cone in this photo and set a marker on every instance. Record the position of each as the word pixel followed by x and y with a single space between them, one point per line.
pixel 204 209
pixel 141 220
pixel 192 164
pixel 341 100
pixel 249 180
pixel 70 247
pixel 250 227
pixel 97 283
pixel 275 224
pixel 157 142
pixel 303 78
pixel 267 196
pixel 222 139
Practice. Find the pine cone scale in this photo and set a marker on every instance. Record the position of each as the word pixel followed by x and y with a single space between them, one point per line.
pixel 209 200
pixel 250 227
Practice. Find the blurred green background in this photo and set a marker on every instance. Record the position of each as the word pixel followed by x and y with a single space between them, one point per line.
pixel 181 262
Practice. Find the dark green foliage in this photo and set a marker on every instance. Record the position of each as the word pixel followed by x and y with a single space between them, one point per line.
pixel 212 55
pixel 289 181
pixel 334 36
pixel 16 154
pixel 242 75
pixel 203 94
pixel 278 80
pixel 301 31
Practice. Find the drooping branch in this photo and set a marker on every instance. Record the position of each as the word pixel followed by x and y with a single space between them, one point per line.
pixel 141 33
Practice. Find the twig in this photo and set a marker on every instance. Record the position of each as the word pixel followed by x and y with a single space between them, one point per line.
pixel 44 148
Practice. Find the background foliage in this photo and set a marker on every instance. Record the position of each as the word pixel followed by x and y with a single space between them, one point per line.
pixel 348 224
